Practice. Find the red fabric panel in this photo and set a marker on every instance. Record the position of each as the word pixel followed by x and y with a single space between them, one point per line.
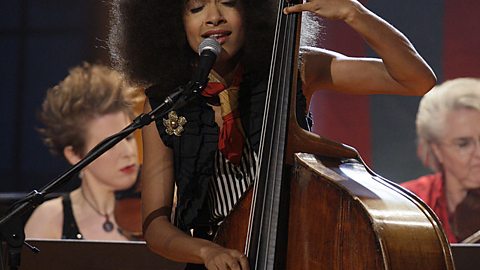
pixel 340 117
pixel 461 44
pixel 345 119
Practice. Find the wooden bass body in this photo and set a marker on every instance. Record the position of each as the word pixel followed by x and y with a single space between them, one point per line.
pixel 342 216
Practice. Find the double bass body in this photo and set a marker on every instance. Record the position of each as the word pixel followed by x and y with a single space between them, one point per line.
pixel 342 216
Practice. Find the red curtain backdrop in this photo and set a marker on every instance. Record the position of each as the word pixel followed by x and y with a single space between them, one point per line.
pixel 461 39
pixel 340 117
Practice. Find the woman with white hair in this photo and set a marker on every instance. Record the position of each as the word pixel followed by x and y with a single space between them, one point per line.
pixel 448 132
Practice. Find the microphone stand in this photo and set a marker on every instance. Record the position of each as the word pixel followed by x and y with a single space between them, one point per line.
pixel 11 227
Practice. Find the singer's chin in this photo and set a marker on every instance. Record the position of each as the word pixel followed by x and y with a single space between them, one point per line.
pixel 227 59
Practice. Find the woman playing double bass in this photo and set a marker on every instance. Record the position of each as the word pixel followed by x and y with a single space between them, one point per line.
pixel 212 161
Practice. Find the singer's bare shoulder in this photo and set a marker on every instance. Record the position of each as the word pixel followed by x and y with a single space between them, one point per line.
pixel 316 68
pixel 46 221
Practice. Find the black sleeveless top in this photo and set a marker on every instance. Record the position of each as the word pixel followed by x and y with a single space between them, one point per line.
pixel 70 228
pixel 194 151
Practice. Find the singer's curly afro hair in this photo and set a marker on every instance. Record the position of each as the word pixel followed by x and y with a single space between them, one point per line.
pixel 148 44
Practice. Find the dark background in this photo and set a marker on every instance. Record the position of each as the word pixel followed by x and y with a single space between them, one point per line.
pixel 41 39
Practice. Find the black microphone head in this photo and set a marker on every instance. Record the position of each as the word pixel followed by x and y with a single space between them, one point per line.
pixel 210 44
pixel 208 51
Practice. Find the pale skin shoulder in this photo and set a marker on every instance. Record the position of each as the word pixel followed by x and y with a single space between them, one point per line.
pixel 399 70
pixel 46 221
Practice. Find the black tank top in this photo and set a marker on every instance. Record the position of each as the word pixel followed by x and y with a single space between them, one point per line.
pixel 70 228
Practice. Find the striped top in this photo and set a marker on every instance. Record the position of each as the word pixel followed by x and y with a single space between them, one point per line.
pixel 230 182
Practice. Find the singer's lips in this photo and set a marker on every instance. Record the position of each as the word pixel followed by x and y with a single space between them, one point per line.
pixel 216 34
pixel 129 169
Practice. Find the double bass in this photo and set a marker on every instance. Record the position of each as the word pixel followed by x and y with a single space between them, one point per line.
pixel 315 204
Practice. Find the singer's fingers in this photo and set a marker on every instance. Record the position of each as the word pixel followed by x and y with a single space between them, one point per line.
pixel 244 262
pixel 298 8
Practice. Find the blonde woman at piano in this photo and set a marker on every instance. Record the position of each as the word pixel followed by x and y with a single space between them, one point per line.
pixel 90 104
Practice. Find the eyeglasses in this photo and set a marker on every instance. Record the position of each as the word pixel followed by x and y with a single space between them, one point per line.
pixel 466 145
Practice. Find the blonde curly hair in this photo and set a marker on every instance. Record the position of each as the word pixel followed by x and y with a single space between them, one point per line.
pixel 460 93
pixel 89 91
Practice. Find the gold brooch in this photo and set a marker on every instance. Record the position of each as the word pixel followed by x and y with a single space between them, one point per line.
pixel 174 124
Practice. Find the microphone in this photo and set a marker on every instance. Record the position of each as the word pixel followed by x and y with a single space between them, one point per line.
pixel 208 50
